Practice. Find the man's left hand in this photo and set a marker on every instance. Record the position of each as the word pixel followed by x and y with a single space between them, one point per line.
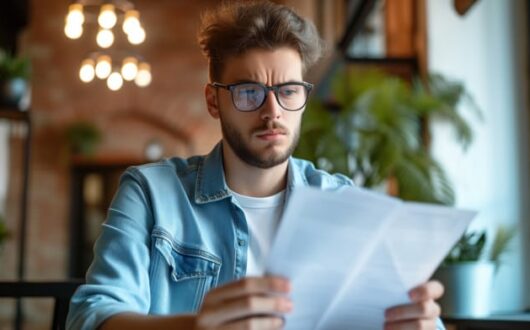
pixel 421 313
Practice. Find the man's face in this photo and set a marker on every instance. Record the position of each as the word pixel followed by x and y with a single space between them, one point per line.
pixel 267 136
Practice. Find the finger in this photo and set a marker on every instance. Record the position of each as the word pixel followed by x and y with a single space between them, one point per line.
pixel 426 291
pixel 422 310
pixel 255 323
pixel 246 307
pixel 429 324
pixel 248 286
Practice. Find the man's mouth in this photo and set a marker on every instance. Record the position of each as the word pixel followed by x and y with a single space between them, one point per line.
pixel 272 134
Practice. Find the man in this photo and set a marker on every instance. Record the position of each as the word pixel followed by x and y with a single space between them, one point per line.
pixel 185 240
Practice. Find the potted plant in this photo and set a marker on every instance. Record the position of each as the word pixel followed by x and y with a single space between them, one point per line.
pixel 468 272
pixel 83 137
pixel 372 128
pixel 14 73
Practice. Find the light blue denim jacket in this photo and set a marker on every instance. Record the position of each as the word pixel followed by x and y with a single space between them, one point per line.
pixel 173 232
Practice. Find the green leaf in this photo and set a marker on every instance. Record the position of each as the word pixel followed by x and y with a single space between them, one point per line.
pixel 371 130
pixel 503 237
pixel 13 67
pixel 469 248
pixel 83 137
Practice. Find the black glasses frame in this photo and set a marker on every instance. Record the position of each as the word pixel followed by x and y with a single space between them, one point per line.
pixel 274 88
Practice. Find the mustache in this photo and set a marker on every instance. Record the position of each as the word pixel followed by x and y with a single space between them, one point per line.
pixel 269 126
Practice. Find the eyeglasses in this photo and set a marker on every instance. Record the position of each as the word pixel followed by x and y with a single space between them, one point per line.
pixel 250 96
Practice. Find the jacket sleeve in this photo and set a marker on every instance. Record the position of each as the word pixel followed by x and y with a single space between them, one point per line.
pixel 118 278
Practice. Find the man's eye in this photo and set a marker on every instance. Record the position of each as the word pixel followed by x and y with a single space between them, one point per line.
pixel 248 91
pixel 289 91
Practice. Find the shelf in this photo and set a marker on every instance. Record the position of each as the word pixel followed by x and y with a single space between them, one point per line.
pixel 12 114
pixel 106 161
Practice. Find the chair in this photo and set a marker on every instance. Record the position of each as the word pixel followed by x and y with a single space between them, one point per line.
pixel 61 291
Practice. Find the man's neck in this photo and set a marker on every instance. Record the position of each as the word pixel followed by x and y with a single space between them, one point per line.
pixel 250 180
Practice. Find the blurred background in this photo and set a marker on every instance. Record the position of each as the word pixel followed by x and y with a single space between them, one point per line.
pixel 423 99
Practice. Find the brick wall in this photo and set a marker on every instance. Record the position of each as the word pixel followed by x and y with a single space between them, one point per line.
pixel 171 108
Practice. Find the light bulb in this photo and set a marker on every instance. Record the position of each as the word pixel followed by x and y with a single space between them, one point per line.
pixel 73 31
pixel 103 66
pixel 129 69
pixel 114 81
pixel 137 36
pixel 131 21
pixel 86 72
pixel 143 77
pixel 107 17
pixel 75 14
pixel 105 38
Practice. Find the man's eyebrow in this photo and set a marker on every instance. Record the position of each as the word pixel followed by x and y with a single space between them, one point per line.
pixel 291 81
pixel 239 81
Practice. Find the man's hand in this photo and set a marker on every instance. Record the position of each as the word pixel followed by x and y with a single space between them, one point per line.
pixel 421 313
pixel 251 303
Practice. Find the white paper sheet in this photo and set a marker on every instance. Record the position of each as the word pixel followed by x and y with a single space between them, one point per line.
pixel 351 254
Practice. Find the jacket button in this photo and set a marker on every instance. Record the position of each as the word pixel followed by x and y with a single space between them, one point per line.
pixel 241 242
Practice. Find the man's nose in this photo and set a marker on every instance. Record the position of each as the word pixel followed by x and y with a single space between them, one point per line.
pixel 271 109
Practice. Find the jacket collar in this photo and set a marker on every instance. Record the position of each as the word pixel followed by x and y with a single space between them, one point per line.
pixel 295 175
pixel 211 184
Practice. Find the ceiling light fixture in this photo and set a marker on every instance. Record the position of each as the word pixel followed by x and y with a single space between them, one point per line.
pixel 129 68
pixel 107 14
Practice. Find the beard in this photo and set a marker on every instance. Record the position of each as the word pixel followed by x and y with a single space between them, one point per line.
pixel 243 150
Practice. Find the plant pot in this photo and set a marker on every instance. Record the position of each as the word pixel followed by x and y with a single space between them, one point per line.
pixel 12 91
pixel 467 288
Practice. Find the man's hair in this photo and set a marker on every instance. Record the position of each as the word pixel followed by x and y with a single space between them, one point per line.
pixel 236 27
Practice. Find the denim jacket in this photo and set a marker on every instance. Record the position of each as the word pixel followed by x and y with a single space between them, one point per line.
pixel 173 232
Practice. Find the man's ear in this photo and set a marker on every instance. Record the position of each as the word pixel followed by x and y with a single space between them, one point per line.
pixel 210 93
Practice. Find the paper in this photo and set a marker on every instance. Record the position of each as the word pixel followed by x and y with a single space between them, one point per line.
pixel 352 253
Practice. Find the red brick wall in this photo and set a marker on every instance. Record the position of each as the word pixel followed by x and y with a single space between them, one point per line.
pixel 171 108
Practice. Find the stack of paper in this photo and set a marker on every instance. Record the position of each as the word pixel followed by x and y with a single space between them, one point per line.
pixel 350 254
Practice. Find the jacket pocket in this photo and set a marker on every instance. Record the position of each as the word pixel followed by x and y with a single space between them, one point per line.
pixel 190 274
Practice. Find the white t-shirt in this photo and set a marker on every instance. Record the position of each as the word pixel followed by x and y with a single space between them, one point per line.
pixel 263 216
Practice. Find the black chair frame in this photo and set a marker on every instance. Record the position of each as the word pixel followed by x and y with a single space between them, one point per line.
pixel 61 291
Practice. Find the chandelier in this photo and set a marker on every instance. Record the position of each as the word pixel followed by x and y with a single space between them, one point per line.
pixel 100 64
pixel 127 68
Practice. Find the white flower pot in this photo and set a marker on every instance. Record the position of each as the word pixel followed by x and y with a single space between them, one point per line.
pixel 468 288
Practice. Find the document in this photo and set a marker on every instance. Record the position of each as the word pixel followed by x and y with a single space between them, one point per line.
pixel 352 253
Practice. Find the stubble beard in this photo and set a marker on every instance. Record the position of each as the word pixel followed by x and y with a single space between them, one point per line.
pixel 254 158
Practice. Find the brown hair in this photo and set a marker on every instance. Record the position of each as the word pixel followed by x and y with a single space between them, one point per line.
pixel 236 26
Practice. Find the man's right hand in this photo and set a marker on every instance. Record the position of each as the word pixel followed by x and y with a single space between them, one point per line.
pixel 250 303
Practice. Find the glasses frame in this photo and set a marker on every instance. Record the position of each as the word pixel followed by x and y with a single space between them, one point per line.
pixel 274 88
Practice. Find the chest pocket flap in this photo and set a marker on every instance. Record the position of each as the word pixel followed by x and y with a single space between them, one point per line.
pixel 186 263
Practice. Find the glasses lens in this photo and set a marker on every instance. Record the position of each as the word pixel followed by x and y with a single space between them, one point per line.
pixel 248 97
pixel 292 96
